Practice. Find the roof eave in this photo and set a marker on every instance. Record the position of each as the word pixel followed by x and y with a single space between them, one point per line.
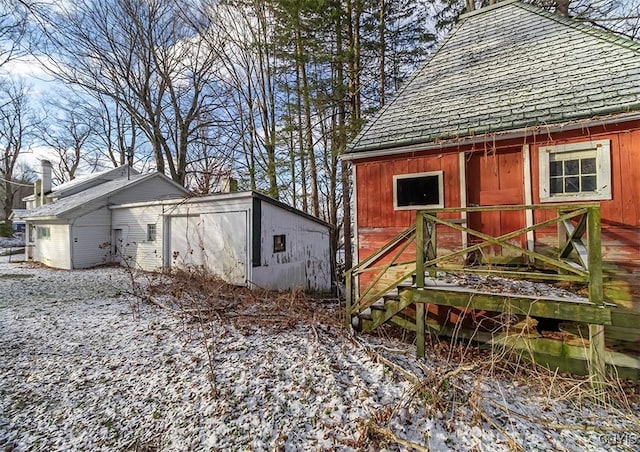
pixel 461 140
pixel 291 209
pixel 45 218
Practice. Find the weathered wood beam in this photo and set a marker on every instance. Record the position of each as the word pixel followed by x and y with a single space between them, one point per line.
pixel 403 235
pixel 371 299
pixel 574 240
pixel 403 323
pixel 597 366
pixel 420 330
pixel 571 358
pixel 348 297
pixel 548 308
pixel 383 267
pixel 596 288
pixel 420 257
pixel 365 302
pixel 550 206
pixel 392 307
pixel 596 296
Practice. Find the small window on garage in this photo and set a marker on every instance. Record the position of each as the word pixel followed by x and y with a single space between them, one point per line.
pixel 43 232
pixel 418 191
pixel 576 171
pixel 279 243
pixel 151 233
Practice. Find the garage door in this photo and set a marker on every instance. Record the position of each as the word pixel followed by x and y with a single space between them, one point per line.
pixel 216 242
pixel 226 245
pixel 187 242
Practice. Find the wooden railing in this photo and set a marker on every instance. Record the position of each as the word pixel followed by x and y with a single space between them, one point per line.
pixel 585 265
pixel 368 295
pixel 576 259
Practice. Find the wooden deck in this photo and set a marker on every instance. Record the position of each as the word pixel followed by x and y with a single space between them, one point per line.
pixel 415 254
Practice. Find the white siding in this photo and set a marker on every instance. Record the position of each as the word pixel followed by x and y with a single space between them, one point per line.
pixel 216 233
pixel 304 264
pixel 90 237
pixel 186 241
pixel 215 241
pixel 149 190
pixel 53 251
pixel 132 222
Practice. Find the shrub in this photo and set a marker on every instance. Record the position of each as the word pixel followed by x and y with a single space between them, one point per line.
pixel 5 229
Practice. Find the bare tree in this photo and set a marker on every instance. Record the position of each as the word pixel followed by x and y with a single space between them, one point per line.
pixel 620 16
pixel 241 35
pixel 67 133
pixel 116 131
pixel 13 29
pixel 145 55
pixel 16 126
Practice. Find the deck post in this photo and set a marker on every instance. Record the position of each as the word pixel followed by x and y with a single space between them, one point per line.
pixel 348 297
pixel 420 245
pixel 431 245
pixel 596 293
pixel 420 282
pixel 420 330
pixel 596 296
pixel 597 363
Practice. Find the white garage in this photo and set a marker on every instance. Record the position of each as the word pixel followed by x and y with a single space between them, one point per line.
pixel 76 230
pixel 244 238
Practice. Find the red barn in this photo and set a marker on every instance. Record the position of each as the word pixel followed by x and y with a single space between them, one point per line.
pixel 517 148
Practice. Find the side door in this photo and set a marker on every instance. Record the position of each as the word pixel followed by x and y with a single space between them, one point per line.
pixel 495 179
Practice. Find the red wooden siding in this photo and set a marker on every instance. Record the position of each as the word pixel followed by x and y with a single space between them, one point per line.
pixel 621 214
pixel 376 218
pixel 494 175
pixel 495 178
pixel 620 229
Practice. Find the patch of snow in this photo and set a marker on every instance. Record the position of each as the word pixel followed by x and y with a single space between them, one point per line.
pixel 11 242
pixel 86 366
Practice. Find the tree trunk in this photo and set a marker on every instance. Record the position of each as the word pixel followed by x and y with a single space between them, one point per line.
pixel 562 7
pixel 383 50
pixel 313 172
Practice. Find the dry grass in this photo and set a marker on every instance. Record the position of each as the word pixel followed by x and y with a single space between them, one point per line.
pixel 201 295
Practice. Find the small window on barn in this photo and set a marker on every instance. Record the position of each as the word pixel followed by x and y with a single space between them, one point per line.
pixel 418 191
pixel 43 232
pixel 279 243
pixel 577 171
pixel 151 233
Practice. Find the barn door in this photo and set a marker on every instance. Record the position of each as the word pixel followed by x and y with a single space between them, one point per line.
pixel 495 179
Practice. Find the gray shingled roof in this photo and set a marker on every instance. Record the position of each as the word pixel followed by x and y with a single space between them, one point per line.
pixel 508 67
pixel 63 207
pixel 90 180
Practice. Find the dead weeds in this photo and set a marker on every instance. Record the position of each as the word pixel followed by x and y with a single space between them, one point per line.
pixel 203 296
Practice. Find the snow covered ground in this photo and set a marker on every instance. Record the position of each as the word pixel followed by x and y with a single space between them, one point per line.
pixel 86 366
pixel 9 244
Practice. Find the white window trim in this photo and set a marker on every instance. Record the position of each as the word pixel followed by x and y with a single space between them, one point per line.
pixel 155 232
pixel 440 205
pixel 43 232
pixel 603 171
